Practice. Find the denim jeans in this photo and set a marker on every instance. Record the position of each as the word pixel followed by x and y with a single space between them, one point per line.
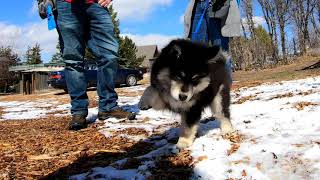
pixel 82 25
pixel 209 32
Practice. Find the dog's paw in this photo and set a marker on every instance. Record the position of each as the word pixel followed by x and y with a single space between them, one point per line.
pixel 226 128
pixel 144 106
pixel 184 143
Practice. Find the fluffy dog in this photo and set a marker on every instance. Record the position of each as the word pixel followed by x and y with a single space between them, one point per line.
pixel 186 78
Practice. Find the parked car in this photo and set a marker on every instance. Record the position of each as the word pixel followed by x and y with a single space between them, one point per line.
pixel 126 76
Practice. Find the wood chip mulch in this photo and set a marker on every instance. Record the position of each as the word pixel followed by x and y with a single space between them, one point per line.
pixel 175 167
pixel 1 112
pixel 45 149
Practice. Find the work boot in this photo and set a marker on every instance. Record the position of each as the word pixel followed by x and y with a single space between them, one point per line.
pixel 118 113
pixel 78 122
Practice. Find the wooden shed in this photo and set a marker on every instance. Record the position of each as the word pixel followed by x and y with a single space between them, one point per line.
pixel 33 78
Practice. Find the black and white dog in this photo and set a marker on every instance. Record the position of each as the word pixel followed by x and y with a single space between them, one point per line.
pixel 186 78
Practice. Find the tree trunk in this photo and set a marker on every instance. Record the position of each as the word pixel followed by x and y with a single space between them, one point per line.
pixel 268 14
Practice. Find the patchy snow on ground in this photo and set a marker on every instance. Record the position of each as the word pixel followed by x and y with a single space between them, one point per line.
pixel 278 124
pixel 32 109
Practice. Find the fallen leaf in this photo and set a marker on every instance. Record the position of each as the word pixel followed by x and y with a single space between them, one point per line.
pixel 233 149
pixel 244 173
pixel 40 157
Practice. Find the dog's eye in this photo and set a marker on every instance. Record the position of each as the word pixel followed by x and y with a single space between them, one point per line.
pixel 196 78
pixel 177 78
pixel 180 76
pixel 199 76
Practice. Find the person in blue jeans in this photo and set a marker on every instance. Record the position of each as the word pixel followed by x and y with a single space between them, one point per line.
pixel 213 22
pixel 81 24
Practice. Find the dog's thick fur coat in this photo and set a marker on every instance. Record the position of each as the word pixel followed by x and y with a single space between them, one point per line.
pixel 186 78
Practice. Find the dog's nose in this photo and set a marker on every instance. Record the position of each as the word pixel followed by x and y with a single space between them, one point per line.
pixel 182 97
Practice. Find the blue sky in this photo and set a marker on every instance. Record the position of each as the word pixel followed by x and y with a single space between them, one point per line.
pixel 145 21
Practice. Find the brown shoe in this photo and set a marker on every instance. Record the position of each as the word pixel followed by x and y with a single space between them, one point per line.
pixel 118 113
pixel 78 122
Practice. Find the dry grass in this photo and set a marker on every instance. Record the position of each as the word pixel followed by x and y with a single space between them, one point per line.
pixel 280 73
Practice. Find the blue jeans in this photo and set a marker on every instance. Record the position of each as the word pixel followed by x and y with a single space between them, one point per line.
pixel 82 25
pixel 209 32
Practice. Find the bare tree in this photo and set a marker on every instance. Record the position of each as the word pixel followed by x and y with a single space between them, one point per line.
pixel 282 11
pixel 247 5
pixel 260 48
pixel 301 12
pixel 269 14
pixel 315 20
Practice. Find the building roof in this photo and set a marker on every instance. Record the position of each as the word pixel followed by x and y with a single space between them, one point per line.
pixel 150 52
pixel 44 69
pixel 36 68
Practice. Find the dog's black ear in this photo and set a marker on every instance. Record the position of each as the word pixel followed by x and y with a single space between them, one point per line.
pixel 217 55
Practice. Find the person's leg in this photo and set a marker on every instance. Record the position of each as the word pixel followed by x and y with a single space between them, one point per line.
pixel 199 34
pixel 104 46
pixel 70 28
pixel 216 38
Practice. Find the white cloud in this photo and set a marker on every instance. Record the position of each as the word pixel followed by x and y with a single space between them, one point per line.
pixel 138 9
pixel 151 39
pixel 257 20
pixel 20 37
pixel 34 9
pixel 181 19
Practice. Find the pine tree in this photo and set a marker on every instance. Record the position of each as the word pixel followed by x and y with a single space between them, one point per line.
pixel 33 55
pixel 57 57
pixel 7 58
pixel 115 22
pixel 128 52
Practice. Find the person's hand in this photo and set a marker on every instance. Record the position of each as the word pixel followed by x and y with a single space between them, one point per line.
pixel 104 3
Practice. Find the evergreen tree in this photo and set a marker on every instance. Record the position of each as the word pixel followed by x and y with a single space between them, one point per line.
pixel 9 54
pixel 89 56
pixel 115 22
pixel 57 57
pixel 33 55
pixel 127 52
pixel 7 58
pixel 264 39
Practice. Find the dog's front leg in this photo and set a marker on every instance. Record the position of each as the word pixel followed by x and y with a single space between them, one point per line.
pixel 221 111
pixel 188 129
pixel 151 99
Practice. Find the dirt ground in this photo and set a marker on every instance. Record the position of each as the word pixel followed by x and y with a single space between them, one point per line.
pixel 45 149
